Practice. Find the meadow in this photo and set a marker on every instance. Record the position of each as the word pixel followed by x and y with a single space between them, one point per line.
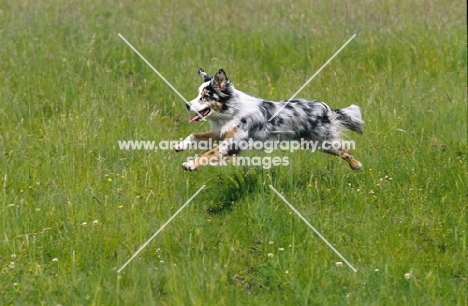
pixel 74 207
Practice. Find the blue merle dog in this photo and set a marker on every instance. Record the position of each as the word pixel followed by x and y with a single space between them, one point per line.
pixel 236 116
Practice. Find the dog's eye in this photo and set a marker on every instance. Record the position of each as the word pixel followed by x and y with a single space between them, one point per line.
pixel 204 98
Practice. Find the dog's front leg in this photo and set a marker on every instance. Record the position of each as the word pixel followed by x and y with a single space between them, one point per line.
pixel 218 156
pixel 195 138
pixel 212 157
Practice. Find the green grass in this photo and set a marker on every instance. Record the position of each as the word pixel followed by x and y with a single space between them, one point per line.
pixel 70 88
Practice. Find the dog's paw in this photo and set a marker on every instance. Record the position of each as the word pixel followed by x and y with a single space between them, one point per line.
pixel 178 147
pixel 189 166
pixel 356 165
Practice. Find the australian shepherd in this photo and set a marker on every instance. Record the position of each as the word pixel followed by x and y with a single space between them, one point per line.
pixel 236 116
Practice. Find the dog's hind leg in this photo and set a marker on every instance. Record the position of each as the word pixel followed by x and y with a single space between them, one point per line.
pixel 345 154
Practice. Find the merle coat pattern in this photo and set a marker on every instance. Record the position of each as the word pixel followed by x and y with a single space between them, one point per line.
pixel 236 116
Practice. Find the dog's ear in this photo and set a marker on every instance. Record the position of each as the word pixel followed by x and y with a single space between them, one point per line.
pixel 220 80
pixel 206 77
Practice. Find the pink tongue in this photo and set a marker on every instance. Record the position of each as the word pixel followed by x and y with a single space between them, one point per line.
pixel 194 118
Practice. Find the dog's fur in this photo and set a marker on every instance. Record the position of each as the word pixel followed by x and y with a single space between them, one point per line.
pixel 236 116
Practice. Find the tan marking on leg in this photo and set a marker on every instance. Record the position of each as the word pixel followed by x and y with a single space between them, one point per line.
pixel 344 154
pixel 205 136
pixel 211 155
pixel 353 163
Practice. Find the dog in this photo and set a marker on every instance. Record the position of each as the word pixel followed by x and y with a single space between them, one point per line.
pixel 235 116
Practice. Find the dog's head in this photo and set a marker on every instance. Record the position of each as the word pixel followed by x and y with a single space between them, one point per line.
pixel 212 97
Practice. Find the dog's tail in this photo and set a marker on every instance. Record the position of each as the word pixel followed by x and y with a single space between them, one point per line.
pixel 350 117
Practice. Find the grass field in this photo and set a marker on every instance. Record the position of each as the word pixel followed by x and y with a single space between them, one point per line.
pixel 74 208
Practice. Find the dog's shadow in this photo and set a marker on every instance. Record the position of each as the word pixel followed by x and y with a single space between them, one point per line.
pixel 228 189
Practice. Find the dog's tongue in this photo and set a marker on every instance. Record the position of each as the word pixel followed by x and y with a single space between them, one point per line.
pixel 194 118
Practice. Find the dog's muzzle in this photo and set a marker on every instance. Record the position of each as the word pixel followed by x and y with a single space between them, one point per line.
pixel 188 106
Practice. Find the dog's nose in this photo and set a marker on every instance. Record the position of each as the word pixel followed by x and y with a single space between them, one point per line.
pixel 188 106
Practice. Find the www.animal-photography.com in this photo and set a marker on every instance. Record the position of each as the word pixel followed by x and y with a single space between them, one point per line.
pixel 233 153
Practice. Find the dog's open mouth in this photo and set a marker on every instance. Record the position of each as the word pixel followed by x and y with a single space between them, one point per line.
pixel 197 117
